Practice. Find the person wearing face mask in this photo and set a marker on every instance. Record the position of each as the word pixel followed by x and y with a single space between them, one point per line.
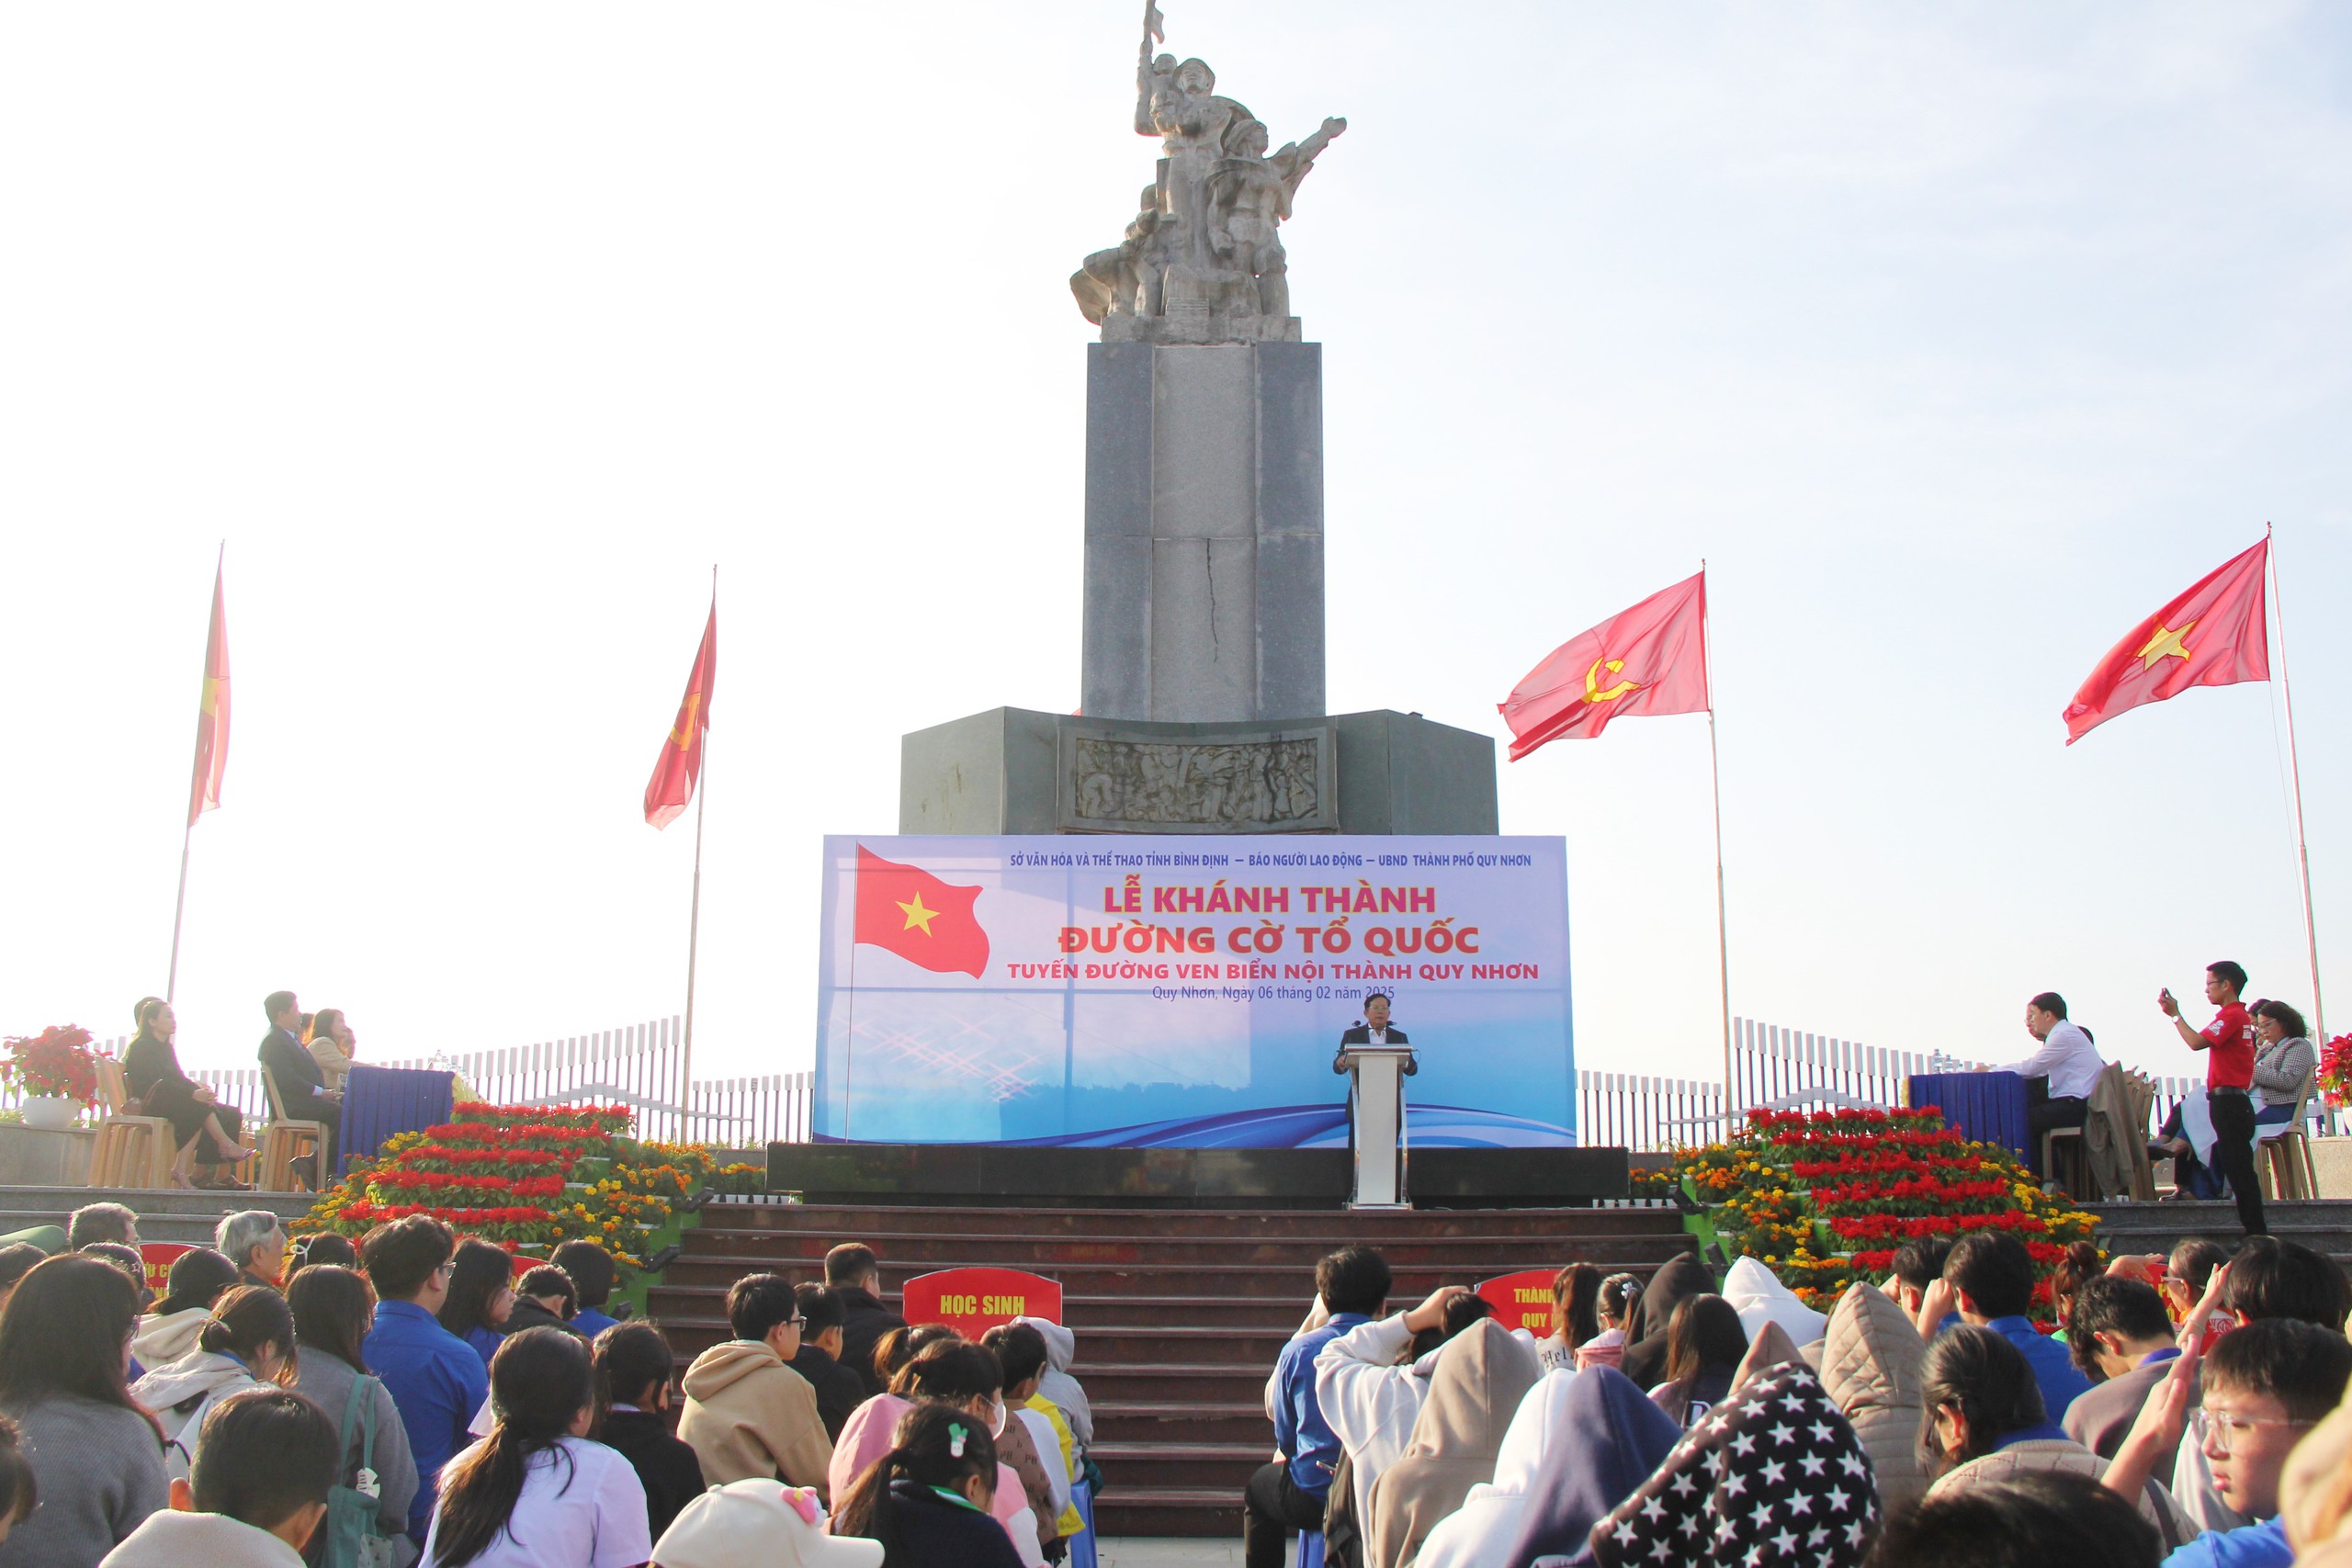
pixel 748 1414
pixel 969 1379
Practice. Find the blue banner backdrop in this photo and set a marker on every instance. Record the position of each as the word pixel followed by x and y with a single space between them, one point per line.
pixel 1188 992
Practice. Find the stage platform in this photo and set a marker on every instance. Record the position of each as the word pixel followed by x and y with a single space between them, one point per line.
pixel 945 1175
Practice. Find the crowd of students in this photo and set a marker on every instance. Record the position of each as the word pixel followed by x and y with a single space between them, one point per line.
pixel 411 1400
pixel 2189 1411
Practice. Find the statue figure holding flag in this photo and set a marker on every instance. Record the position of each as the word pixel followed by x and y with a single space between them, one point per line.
pixel 1203 261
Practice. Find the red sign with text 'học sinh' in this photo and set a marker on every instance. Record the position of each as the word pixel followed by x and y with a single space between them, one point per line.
pixel 973 1300
pixel 1522 1301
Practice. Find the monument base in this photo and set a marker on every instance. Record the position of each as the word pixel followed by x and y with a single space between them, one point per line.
pixel 1015 771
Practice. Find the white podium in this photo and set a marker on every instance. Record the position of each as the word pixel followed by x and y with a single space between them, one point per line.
pixel 1376 1123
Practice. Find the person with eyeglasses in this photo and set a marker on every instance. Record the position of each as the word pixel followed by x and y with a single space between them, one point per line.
pixel 747 1414
pixel 2265 1384
pixel 435 1379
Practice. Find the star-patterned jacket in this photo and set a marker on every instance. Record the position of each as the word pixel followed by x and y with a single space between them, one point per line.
pixel 1771 1476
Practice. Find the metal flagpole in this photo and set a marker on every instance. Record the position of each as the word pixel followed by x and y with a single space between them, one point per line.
pixel 179 910
pixel 1715 774
pixel 694 922
pixel 2295 768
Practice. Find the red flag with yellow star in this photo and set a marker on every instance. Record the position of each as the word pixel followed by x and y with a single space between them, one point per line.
pixel 680 765
pixel 1649 659
pixel 212 712
pixel 923 920
pixel 2217 634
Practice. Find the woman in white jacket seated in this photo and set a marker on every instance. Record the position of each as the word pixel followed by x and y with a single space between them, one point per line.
pixel 165 1335
pixel 248 1342
pixel 1371 1387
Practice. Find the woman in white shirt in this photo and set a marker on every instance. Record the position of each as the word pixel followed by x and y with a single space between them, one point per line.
pixel 536 1493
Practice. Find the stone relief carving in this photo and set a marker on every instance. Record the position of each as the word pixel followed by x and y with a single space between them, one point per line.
pixel 1279 783
pixel 1203 261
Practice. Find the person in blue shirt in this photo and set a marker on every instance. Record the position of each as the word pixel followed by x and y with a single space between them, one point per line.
pixel 435 1379
pixel 1988 1278
pixel 1351 1288
pixel 591 1267
pixel 2266 1383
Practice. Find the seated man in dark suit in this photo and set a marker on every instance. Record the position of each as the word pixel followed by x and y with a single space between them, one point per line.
pixel 303 1093
pixel 1373 1030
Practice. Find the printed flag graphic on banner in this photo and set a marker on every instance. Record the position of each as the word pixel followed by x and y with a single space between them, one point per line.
pixel 923 920
pixel 1645 661
pixel 213 712
pixel 2216 634
pixel 672 786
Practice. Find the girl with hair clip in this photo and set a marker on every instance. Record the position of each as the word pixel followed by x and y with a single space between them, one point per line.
pixel 248 1342
pixel 927 1500
pixel 1575 1294
pixel 536 1493
pixel 1610 1309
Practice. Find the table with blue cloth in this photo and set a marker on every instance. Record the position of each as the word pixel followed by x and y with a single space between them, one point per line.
pixel 1987 1107
pixel 380 1103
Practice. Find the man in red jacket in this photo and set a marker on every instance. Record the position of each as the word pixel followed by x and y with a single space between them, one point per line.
pixel 2229 1082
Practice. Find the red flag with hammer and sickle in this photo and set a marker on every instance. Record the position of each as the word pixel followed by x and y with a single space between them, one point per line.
pixel 1645 661
pixel 2215 634
pixel 674 777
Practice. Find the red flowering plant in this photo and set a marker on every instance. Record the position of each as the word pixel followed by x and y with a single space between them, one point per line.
pixel 2335 1071
pixel 1823 1198
pixel 523 1175
pixel 58 1061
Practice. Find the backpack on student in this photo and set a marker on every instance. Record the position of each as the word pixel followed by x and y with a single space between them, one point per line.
pixel 349 1537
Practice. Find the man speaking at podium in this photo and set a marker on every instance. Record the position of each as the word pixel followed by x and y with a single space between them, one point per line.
pixel 1373 1030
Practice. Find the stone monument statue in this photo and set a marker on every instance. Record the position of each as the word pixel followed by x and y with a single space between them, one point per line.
pixel 1201 682
pixel 1202 262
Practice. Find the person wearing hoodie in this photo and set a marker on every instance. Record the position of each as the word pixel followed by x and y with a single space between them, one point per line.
pixel 854 1274
pixel 1645 1346
pixel 1870 1366
pixel 1758 1295
pixel 248 1342
pixel 1474 1389
pixel 1774 1475
pixel 1371 1386
pixel 748 1413
pixel 1577 1447
pixel 1059 1386
pixel 197 1277
pixel 333 1311
pixel 267 1461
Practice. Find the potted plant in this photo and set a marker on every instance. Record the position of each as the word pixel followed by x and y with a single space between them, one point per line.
pixel 56 1073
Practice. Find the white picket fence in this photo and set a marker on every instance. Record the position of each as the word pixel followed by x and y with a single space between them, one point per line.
pixel 1773 1067
pixel 636 1066
pixel 1777 1068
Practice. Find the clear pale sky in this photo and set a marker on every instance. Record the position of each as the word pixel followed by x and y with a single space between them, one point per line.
pixel 1956 339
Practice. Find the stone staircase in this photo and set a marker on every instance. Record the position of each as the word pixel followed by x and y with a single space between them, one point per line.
pixel 1179 1314
pixel 2324 1224
pixel 165 1215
